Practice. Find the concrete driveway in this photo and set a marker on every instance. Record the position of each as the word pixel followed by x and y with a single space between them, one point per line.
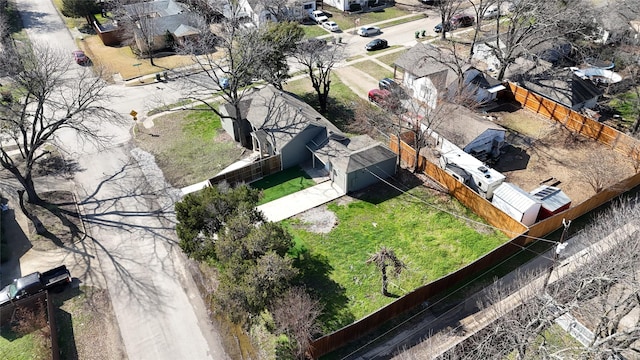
pixel 301 201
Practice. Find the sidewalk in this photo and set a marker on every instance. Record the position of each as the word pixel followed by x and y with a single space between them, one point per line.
pixel 300 201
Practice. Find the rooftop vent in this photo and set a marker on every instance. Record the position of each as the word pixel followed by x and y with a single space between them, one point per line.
pixel 483 169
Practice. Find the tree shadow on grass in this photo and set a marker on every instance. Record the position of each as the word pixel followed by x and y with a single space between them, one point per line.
pixel 392 187
pixel 340 114
pixel 314 275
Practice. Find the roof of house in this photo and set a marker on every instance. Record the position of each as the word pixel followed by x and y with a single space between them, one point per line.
pixel 175 24
pixel 558 84
pixel 353 154
pixel 424 60
pixel 160 7
pixel 282 115
pixel 461 126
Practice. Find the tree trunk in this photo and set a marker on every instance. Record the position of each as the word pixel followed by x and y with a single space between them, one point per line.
pixel 503 69
pixel 40 229
pixel 384 280
pixel 32 195
pixel 322 99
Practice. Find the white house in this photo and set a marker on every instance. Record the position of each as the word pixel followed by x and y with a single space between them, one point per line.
pixel 259 14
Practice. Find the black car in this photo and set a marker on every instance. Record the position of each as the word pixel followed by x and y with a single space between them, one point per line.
pixel 438 28
pixel 462 20
pixel 376 44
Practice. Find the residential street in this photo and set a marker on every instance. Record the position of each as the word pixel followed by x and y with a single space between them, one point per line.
pixel 130 225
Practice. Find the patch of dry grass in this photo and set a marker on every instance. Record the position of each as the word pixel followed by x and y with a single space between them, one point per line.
pixel 121 59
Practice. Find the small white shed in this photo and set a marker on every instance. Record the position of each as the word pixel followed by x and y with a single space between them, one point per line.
pixel 517 203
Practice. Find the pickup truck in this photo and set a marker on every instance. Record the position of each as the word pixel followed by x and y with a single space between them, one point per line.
pixel 35 283
pixel 318 16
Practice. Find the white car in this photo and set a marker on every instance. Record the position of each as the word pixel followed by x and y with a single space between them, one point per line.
pixel 331 26
pixel 318 16
pixel 491 12
pixel 368 30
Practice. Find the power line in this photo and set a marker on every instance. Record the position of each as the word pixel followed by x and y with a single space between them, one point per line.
pixel 454 214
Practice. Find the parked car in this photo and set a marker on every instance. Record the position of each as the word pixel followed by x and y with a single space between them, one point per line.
pixel 224 83
pixel 80 57
pixel 491 12
pixel 318 16
pixel 439 28
pixel 393 87
pixel 35 283
pixel 368 30
pixel 331 26
pixel 376 44
pixel 384 99
pixel 462 20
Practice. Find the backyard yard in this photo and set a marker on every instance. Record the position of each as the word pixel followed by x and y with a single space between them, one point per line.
pixel 538 149
pixel 333 243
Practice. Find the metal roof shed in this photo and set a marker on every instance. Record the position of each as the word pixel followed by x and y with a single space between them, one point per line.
pixel 553 200
pixel 517 203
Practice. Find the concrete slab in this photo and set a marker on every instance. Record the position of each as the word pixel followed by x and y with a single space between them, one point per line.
pixel 300 201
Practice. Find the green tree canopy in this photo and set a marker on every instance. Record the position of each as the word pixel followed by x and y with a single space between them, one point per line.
pixel 80 8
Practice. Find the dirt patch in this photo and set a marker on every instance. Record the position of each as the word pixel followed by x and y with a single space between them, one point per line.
pixel 319 220
pixel 87 326
pixel 540 150
pixel 60 217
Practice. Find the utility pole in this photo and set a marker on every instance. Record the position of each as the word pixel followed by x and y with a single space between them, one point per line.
pixel 559 248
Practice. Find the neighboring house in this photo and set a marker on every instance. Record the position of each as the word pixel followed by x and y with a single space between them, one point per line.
pixel 428 77
pixel 275 122
pixel 256 11
pixel 561 85
pixel 354 5
pixel 167 21
pixel 425 74
pixel 465 129
pixel 478 86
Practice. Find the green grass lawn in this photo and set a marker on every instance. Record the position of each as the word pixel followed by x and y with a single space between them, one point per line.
pixel 627 105
pixel 282 184
pixel 197 151
pixel 346 21
pixel 311 31
pixel 432 244
pixel 373 69
pixel 389 59
pixel 341 99
pixel 27 347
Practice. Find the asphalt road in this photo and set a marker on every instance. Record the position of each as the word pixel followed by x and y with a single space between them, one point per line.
pixel 130 222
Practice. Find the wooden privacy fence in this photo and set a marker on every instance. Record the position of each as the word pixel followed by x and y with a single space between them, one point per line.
pixel 254 171
pixel 33 303
pixel 521 235
pixel 479 205
pixel 577 122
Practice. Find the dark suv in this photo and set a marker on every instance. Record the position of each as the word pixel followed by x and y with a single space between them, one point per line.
pixel 393 87
pixel 462 20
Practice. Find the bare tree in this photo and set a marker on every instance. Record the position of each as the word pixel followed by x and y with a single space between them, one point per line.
pixel 384 258
pixel 602 173
pixel 49 98
pixel 296 315
pixel 446 9
pixel 598 287
pixel 229 56
pixel 318 58
pixel 532 23
pixel 479 9
pixel 139 20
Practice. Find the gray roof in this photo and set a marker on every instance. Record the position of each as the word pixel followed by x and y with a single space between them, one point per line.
pixel 354 153
pixel 162 8
pixel 462 125
pixel 174 24
pixel 282 115
pixel 426 60
pixel 558 84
